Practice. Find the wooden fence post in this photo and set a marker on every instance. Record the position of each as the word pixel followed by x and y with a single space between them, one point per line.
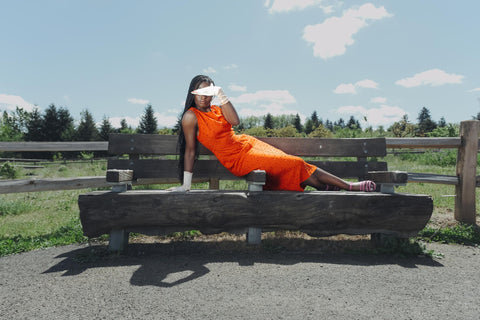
pixel 465 210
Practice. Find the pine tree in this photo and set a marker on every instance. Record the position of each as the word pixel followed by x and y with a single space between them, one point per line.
pixel 340 123
pixel 309 126
pixel 442 123
pixel 425 122
pixel 105 129
pixel 329 125
pixel 315 121
pixel 148 123
pixel 297 123
pixel 268 123
pixel 124 127
pixel 352 123
pixel 34 127
pixel 57 124
pixel 87 130
pixel 51 127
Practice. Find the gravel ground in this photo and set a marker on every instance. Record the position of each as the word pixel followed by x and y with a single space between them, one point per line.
pixel 200 280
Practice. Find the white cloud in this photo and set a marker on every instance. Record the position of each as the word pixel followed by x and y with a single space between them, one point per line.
pixel 231 66
pixel 474 90
pixel 352 88
pixel 234 87
pixel 433 77
pixel 209 70
pixel 138 101
pixel 379 100
pixel 366 84
pixel 383 116
pixel 331 37
pixel 345 88
pixel 10 102
pixel 262 102
pixel 165 120
pixel 290 5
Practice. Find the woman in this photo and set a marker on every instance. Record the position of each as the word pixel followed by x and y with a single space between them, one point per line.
pixel 240 154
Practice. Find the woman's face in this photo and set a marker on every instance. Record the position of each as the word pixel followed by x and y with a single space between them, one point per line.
pixel 202 101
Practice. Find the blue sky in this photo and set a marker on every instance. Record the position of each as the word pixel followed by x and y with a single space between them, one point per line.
pixel 373 59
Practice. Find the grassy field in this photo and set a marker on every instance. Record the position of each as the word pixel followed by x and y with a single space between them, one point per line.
pixel 43 219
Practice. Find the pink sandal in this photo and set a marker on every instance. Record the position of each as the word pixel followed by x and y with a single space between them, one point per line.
pixel 367 186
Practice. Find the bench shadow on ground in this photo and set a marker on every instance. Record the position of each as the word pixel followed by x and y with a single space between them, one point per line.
pixel 173 263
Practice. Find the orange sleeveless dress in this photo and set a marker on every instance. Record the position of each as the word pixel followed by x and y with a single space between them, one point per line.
pixel 241 154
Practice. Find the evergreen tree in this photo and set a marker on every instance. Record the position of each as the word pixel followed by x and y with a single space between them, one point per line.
pixel 87 130
pixel 148 123
pixel 66 125
pixel 352 123
pixel 425 123
pixel 268 122
pixel 105 129
pixel 329 125
pixel 315 121
pixel 51 129
pixel 309 126
pixel 340 123
pixel 123 124
pixel 35 127
pixel 124 127
pixel 57 124
pixel 442 123
pixel 298 123
pixel 177 126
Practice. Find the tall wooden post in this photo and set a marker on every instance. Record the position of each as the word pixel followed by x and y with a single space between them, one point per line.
pixel 467 171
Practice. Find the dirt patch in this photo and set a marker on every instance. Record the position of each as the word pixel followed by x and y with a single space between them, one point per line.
pixel 278 241
pixel 444 218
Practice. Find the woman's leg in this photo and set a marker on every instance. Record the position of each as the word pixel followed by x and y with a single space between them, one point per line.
pixel 321 180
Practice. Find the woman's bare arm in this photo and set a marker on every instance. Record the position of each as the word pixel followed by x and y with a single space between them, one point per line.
pixel 230 113
pixel 189 125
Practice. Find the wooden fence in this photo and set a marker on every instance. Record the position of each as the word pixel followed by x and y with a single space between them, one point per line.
pixel 465 181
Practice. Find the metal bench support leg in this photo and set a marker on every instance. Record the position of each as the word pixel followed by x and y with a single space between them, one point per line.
pixel 254 235
pixel 118 240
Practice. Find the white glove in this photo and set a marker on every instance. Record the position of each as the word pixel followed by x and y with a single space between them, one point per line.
pixel 213 91
pixel 187 183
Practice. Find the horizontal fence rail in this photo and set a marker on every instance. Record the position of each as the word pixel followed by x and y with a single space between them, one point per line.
pixel 32 185
pixel 424 143
pixel 392 143
pixel 53 146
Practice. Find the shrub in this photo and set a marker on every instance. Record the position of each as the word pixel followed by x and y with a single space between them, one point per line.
pixel 8 171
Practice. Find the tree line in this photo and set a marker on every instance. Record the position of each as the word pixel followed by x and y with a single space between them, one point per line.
pixel 57 124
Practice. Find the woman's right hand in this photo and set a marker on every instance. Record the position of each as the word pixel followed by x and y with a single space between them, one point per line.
pixel 187 183
pixel 181 188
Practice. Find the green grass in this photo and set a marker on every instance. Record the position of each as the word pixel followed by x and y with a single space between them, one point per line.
pixel 460 234
pixel 67 234
pixel 37 220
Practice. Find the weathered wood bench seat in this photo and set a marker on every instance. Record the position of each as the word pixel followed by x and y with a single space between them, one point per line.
pixel 318 213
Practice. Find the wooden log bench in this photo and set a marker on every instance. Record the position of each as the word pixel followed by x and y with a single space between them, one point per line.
pixel 317 213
